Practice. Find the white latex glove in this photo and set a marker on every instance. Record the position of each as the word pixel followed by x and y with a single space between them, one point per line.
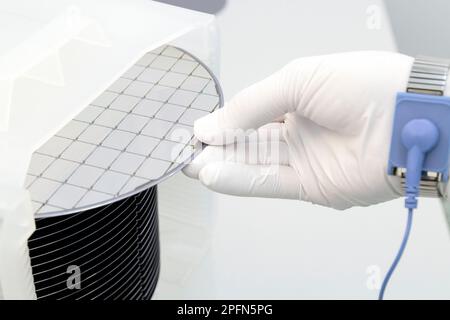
pixel 336 113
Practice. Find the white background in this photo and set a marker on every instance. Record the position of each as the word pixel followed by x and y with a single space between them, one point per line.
pixel 268 249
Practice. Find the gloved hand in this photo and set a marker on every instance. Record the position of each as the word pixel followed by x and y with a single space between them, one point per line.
pixel 334 116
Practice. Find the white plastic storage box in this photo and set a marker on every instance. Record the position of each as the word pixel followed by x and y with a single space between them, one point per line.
pixel 95 110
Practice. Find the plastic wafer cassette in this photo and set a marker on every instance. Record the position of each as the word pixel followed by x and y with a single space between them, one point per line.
pixel 94 183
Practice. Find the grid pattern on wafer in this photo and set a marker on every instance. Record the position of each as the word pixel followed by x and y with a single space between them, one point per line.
pixel 135 132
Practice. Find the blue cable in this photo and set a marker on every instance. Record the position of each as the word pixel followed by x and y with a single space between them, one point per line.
pixel 418 136
pixel 399 254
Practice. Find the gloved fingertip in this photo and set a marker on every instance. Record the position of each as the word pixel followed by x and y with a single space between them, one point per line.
pixel 191 171
pixel 207 129
pixel 203 136
pixel 208 175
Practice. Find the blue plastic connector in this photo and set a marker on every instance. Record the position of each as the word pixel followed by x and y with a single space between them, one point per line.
pixel 436 109
pixel 419 136
pixel 420 143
